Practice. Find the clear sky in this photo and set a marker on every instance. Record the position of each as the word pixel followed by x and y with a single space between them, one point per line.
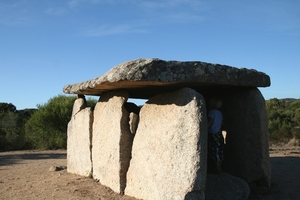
pixel 46 44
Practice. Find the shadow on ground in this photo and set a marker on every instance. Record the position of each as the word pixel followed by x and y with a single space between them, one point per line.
pixel 7 158
pixel 285 176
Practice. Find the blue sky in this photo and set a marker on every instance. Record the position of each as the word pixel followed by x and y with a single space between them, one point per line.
pixel 47 44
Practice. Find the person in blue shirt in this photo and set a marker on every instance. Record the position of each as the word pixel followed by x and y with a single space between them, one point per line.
pixel 215 137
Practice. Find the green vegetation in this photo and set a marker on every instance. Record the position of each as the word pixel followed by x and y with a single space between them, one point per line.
pixel 283 119
pixel 12 122
pixel 46 127
pixel 42 128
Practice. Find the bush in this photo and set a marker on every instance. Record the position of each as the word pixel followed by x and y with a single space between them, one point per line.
pixel 283 119
pixel 47 128
pixel 12 127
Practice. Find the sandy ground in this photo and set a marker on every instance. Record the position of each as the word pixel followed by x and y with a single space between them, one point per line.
pixel 285 164
pixel 26 175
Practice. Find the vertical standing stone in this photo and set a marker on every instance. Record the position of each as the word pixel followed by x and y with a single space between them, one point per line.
pixel 133 122
pixel 79 139
pixel 112 141
pixel 169 148
pixel 134 118
pixel 247 148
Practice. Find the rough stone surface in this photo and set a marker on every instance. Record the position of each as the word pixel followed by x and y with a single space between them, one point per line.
pixel 79 139
pixel 55 168
pixel 134 118
pixel 169 148
pixel 133 122
pixel 144 78
pixel 112 141
pixel 169 151
pixel 226 187
pixel 246 123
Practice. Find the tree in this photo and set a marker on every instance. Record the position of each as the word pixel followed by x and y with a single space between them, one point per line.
pixel 283 119
pixel 12 123
pixel 5 107
pixel 47 128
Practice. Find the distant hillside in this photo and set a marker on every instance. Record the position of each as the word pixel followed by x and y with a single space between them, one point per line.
pixel 289 99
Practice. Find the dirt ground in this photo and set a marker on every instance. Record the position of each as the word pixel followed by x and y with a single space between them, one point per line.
pixel 26 175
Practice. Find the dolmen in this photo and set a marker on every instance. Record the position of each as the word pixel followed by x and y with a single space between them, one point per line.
pixel 159 150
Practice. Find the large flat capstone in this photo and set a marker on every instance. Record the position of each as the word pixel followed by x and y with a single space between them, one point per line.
pixel 144 78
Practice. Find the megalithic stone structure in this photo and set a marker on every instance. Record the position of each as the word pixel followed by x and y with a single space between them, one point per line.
pixel 169 130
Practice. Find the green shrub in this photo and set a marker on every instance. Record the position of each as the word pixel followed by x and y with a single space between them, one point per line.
pixel 47 128
pixel 12 127
pixel 283 119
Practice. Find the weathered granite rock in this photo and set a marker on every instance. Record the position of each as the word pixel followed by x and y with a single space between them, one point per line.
pixel 169 148
pixel 79 139
pixel 247 147
pixel 112 141
pixel 133 122
pixel 55 168
pixel 144 78
pixel 226 187
pixel 134 118
pixel 169 151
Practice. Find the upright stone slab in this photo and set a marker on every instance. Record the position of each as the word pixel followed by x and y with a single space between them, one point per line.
pixel 169 148
pixel 133 122
pixel 247 148
pixel 79 139
pixel 112 141
pixel 133 111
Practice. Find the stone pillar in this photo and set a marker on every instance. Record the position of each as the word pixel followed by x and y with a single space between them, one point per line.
pixel 133 111
pixel 169 148
pixel 112 140
pixel 247 148
pixel 79 139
